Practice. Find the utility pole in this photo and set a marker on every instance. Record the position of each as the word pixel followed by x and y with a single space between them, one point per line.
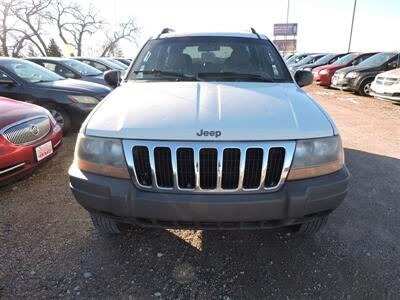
pixel 352 23
pixel 287 22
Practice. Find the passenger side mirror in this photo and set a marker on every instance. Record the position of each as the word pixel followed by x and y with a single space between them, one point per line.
pixel 71 75
pixel 303 78
pixel 354 63
pixel 6 81
pixel 112 77
pixel 392 65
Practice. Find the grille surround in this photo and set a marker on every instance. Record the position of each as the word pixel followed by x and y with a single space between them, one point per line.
pixel 196 146
pixel 20 134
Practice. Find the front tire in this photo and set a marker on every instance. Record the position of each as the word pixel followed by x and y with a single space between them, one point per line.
pixel 311 227
pixel 61 116
pixel 107 226
pixel 365 87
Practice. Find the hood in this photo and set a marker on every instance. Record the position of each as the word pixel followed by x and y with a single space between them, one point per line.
pixel 180 110
pixel 328 67
pixel 74 85
pixel 392 73
pixel 12 111
pixel 96 79
pixel 359 69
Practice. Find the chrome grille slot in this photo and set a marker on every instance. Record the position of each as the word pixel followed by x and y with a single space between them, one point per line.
pixel 252 171
pixel 230 169
pixel 27 131
pixel 185 166
pixel 209 167
pixel 164 174
pixel 275 164
pixel 142 165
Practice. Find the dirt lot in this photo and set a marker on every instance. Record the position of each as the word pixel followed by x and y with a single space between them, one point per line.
pixel 49 249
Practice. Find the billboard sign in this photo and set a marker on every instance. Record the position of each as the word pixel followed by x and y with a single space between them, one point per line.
pixel 285 29
pixel 286 45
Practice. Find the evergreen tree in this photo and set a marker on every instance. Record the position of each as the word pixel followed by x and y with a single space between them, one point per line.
pixel 53 49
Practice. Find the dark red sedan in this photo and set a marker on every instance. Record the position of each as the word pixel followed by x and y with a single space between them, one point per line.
pixel 323 74
pixel 29 136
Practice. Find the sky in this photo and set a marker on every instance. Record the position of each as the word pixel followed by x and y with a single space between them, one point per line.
pixel 323 25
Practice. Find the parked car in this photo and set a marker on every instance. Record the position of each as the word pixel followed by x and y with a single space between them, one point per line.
pixel 117 62
pixel 359 78
pixel 323 74
pixel 296 58
pixel 125 61
pixel 222 140
pixel 387 85
pixel 324 60
pixel 310 59
pixel 29 136
pixel 101 64
pixel 70 68
pixel 68 100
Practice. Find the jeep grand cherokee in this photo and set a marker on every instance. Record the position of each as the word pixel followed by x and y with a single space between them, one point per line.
pixel 209 131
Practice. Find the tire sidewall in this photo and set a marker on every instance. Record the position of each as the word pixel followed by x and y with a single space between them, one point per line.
pixel 63 113
pixel 362 86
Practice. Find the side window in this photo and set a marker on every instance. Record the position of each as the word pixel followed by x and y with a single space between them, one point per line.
pixel 60 70
pixel 99 66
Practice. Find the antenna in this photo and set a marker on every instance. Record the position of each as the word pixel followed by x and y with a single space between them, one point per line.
pixel 255 32
pixel 165 30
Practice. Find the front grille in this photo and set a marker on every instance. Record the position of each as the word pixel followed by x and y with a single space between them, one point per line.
pixel 209 167
pixel 28 131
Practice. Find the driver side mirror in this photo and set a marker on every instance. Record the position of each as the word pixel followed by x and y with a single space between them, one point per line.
pixel 303 78
pixel 6 81
pixel 112 77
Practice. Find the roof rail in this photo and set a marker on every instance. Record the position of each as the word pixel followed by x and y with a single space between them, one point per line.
pixel 165 30
pixel 255 32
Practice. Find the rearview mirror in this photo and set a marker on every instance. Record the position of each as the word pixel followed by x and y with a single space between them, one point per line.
pixel 303 78
pixel 112 77
pixel 6 80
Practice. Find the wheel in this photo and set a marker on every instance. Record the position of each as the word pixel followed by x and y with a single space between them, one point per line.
pixel 365 87
pixel 61 116
pixel 107 226
pixel 311 227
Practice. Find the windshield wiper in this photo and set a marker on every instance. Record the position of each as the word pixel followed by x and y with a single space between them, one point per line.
pixel 234 75
pixel 168 74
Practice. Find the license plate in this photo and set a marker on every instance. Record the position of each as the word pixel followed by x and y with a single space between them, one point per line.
pixel 43 151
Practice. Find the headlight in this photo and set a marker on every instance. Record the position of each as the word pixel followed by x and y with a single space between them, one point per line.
pixel 351 75
pixel 323 72
pixel 307 69
pixel 83 99
pixel 101 156
pixel 317 157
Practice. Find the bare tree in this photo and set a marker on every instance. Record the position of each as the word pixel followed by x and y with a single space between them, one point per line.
pixel 74 23
pixel 32 13
pixel 127 31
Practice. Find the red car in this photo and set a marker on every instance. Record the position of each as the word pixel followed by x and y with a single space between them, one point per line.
pixel 29 136
pixel 323 74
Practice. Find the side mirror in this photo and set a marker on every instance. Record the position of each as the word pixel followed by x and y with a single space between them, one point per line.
pixel 354 63
pixel 7 81
pixel 303 78
pixel 112 77
pixel 392 65
pixel 71 75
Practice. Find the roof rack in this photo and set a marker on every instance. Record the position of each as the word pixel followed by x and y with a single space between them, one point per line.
pixel 255 32
pixel 165 30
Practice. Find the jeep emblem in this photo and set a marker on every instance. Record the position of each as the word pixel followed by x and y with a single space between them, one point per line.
pixel 214 133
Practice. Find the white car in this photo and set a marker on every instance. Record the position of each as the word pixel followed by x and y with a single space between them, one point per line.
pixel 209 131
pixel 387 85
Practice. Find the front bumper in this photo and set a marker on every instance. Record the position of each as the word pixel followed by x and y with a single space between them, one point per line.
pixel 322 79
pixel 296 202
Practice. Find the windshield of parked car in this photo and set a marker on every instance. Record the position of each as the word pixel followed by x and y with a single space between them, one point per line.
pixel 296 58
pixel 377 59
pixel 81 68
pixel 114 61
pixel 346 59
pixel 111 64
pixel 325 59
pixel 210 59
pixel 30 72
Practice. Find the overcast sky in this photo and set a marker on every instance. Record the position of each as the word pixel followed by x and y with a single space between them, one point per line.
pixel 323 26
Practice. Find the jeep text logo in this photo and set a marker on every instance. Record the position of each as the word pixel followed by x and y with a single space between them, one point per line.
pixel 202 132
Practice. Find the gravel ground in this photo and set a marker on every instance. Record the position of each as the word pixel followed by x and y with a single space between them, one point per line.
pixel 49 249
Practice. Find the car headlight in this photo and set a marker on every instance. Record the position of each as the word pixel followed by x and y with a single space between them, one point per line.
pixel 101 156
pixel 83 99
pixel 307 69
pixel 351 75
pixel 316 157
pixel 323 72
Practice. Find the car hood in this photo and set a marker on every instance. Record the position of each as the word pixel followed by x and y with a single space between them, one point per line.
pixel 179 110
pixel 359 69
pixel 12 111
pixel 328 67
pixel 74 85
pixel 392 73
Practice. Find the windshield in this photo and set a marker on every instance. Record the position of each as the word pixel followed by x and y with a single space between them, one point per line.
pixel 81 68
pixel 377 59
pixel 209 58
pixel 114 61
pixel 296 58
pixel 30 72
pixel 325 59
pixel 346 59
pixel 110 64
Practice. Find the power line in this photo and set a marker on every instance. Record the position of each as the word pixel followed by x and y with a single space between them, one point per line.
pixel 352 23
